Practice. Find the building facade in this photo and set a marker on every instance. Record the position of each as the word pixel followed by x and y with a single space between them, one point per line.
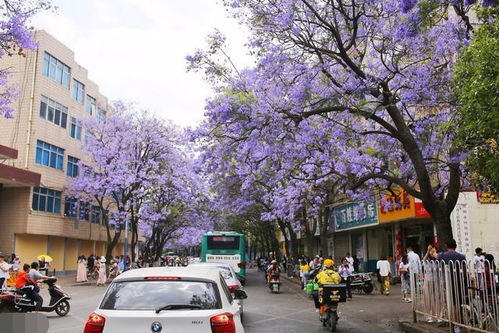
pixel 55 91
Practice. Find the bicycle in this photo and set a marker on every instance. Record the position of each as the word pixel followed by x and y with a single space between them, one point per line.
pixel 480 316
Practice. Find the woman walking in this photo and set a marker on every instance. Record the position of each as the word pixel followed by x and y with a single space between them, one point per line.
pixel 81 272
pixel 405 279
pixel 101 281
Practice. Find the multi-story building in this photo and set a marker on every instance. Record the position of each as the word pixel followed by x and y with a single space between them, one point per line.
pixel 35 219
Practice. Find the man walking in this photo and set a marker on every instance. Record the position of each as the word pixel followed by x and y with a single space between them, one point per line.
pixel 414 262
pixel 385 273
pixel 459 288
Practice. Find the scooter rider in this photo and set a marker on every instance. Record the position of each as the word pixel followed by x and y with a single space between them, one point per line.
pixel 327 276
pixel 28 287
pixel 35 276
pixel 273 270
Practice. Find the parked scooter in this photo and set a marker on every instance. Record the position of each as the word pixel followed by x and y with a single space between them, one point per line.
pixel 15 300
pixel 275 283
pixel 330 296
pixel 362 281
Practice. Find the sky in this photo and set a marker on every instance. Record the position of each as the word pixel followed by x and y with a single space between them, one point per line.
pixel 135 49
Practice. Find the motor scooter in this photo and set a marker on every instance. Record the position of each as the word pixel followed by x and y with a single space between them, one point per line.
pixel 362 281
pixel 275 283
pixel 330 295
pixel 16 300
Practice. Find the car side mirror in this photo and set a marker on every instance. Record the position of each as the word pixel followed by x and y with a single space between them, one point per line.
pixel 240 294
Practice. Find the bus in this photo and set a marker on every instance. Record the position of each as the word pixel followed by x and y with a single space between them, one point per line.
pixel 227 247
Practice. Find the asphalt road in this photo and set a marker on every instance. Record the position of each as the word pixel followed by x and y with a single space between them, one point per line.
pixel 290 311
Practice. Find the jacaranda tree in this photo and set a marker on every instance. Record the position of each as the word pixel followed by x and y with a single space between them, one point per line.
pixel 16 36
pixel 366 83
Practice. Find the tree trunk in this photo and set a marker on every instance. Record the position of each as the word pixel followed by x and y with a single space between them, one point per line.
pixel 324 228
pixel 293 243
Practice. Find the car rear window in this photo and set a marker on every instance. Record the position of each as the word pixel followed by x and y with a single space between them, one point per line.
pixel 151 295
pixel 225 271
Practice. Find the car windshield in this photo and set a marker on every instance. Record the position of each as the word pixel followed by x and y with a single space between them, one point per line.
pixel 152 295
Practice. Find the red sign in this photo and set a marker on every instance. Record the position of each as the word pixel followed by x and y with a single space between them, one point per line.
pixel 420 210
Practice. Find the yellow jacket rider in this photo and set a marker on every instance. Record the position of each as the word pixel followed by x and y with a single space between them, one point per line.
pixel 328 276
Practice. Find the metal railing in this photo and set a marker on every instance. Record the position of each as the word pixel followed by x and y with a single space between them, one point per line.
pixel 459 293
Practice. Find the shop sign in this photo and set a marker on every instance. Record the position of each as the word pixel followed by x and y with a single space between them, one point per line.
pixel 396 207
pixel 461 227
pixel 420 209
pixel 354 214
pixel 487 197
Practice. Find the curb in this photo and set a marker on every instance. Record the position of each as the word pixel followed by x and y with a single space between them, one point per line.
pixel 410 327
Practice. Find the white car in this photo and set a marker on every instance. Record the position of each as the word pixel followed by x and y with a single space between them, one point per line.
pixel 227 272
pixel 167 299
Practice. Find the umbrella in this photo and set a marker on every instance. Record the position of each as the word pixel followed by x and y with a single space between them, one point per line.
pixel 46 257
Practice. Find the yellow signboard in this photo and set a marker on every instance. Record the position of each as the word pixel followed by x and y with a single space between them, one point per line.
pixel 396 207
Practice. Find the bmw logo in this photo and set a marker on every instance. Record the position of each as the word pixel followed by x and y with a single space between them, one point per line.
pixel 156 327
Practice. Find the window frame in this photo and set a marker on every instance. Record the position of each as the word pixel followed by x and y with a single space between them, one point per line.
pixel 56 70
pixel 75 129
pixel 58 109
pixel 71 165
pixel 52 154
pixel 78 91
pixel 50 198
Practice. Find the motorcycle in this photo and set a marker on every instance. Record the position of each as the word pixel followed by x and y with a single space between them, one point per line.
pixel 275 283
pixel 329 298
pixel 362 281
pixel 15 300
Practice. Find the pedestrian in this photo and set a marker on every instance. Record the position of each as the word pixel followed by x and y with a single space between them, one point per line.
pixel 81 270
pixel 101 265
pixel 304 272
pixel 356 263
pixel 429 277
pixel 405 279
pixel 350 260
pixel 384 274
pixel 315 262
pixel 345 270
pixel 457 266
pixel 4 270
pixel 414 262
pixel 91 262
pixel 478 261
pixel 16 264
pixel 43 266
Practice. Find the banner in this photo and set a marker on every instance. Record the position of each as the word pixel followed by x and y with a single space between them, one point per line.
pixel 354 214
pixel 396 207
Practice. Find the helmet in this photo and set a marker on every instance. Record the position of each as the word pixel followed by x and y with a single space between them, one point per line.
pixel 328 262
pixel 273 262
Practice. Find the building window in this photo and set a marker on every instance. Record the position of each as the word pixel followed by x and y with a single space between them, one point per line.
pixel 101 115
pixel 54 112
pixel 46 200
pixel 70 207
pixel 91 105
pixel 72 167
pixel 49 155
pixel 56 70
pixel 75 129
pixel 78 91
pixel 84 211
pixel 96 214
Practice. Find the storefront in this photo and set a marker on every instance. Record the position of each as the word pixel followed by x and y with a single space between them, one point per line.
pixel 350 222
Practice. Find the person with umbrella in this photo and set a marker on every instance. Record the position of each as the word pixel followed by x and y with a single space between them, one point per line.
pixel 44 261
